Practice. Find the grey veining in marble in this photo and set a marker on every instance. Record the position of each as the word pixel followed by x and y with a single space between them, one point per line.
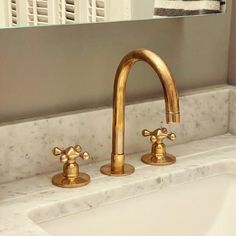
pixel 232 121
pixel 25 203
pixel 25 147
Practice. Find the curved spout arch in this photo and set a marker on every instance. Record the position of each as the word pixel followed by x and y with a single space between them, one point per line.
pixel 168 84
pixel 117 166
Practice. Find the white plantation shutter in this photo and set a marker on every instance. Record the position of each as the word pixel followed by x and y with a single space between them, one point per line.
pixel 41 12
pixel 28 12
pixel 71 11
pixel 100 10
pixel 17 12
pixel 108 10
pixel 13 6
pixel 48 12
pixel 67 12
pixel 97 10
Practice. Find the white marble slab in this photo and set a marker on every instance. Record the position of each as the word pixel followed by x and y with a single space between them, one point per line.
pixel 25 146
pixel 26 202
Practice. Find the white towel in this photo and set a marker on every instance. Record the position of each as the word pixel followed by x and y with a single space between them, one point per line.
pixel 187 7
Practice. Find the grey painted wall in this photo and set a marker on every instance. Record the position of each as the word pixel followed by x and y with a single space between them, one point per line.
pixel 232 52
pixel 63 68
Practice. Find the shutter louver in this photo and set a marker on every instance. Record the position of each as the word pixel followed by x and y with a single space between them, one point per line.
pixel 13 13
pixel 69 11
pixel 38 12
pixel 96 10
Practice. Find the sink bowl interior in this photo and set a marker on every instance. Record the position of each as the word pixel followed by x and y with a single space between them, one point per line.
pixel 203 208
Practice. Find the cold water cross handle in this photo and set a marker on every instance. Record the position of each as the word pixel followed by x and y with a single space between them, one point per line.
pixel 158 155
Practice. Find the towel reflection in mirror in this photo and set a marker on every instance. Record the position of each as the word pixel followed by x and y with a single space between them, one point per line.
pixel 170 8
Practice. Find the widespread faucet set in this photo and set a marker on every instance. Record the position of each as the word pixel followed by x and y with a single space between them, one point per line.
pixel 72 177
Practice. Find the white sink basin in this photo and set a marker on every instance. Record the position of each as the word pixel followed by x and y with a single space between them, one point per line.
pixel 203 208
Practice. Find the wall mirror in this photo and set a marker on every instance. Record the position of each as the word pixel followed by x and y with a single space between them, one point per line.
pixel 22 13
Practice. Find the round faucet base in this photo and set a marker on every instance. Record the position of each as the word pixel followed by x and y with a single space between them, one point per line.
pixel 60 181
pixel 149 159
pixel 128 170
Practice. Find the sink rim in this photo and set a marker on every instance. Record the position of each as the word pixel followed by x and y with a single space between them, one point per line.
pixel 220 167
pixel 223 195
pixel 24 210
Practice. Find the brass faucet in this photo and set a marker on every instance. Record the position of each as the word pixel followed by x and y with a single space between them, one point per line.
pixel 118 167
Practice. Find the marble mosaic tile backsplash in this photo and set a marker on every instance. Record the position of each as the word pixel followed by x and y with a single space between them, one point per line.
pixel 25 146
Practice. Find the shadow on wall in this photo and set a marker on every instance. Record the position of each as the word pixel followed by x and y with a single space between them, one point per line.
pixel 232 51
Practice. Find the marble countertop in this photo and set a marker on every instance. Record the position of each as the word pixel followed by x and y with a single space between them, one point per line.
pixel 25 203
pixel 26 145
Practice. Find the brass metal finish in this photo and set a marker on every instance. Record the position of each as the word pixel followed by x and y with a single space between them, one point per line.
pixel 128 170
pixel 117 166
pixel 71 176
pixel 158 155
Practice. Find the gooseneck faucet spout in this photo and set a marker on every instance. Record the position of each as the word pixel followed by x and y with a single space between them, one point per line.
pixel 117 167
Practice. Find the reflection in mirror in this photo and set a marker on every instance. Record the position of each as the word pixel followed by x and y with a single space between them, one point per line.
pixel 50 12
